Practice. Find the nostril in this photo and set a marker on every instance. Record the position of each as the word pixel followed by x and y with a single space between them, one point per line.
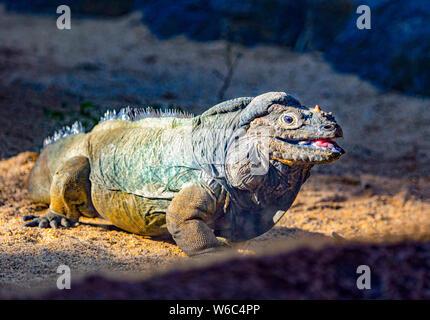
pixel 328 127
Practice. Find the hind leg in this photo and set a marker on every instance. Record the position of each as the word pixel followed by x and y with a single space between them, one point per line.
pixel 69 196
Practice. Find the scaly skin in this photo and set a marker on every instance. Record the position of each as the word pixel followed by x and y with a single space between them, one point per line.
pixel 227 175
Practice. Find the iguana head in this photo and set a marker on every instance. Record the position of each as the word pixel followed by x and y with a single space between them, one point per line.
pixel 292 133
pixel 242 139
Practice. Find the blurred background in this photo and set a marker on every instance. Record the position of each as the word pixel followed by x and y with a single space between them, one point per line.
pixel 193 54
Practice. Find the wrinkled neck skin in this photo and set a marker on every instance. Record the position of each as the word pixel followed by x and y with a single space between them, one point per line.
pixel 263 200
pixel 260 200
pixel 261 189
pixel 261 183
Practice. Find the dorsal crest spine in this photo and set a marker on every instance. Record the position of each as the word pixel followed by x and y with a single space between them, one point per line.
pixel 136 114
pixel 127 113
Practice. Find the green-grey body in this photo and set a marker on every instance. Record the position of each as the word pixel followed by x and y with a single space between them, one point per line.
pixel 150 158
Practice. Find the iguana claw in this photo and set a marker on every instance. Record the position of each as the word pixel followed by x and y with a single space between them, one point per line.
pixel 51 219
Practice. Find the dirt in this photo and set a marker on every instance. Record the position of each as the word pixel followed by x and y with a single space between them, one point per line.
pixel 379 191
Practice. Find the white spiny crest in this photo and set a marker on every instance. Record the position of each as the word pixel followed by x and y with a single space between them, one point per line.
pixel 76 128
pixel 127 113
pixel 136 114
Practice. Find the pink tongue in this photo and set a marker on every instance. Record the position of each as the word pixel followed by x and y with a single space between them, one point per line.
pixel 321 143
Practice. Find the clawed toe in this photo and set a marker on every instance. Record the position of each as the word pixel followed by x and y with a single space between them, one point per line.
pixel 28 217
pixel 32 223
pixel 50 220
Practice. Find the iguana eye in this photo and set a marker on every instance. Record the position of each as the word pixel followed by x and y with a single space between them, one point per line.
pixel 290 120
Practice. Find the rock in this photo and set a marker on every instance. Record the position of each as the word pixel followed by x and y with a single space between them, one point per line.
pixel 395 53
pixel 195 19
pixel 312 23
pixel 247 22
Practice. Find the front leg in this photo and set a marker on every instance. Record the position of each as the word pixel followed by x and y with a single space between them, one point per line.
pixel 188 218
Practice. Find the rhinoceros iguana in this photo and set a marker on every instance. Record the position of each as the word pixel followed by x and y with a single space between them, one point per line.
pixel 227 174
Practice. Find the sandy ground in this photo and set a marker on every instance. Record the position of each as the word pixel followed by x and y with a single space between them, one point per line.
pixel 379 190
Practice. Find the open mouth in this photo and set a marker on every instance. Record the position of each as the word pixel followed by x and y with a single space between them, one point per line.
pixel 322 144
